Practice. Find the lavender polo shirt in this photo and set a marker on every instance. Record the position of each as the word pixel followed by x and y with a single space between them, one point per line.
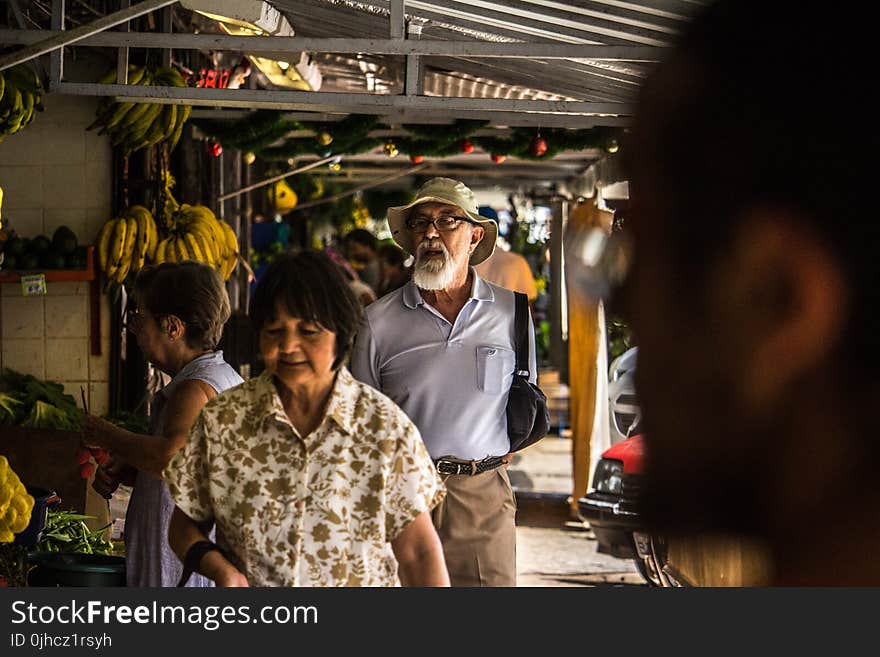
pixel 450 379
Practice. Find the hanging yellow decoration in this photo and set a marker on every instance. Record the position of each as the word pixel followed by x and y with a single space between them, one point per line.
pixel 282 197
pixel 325 138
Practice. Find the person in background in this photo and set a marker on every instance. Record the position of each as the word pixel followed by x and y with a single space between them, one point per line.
pixel 361 249
pixel 363 292
pixel 507 268
pixel 442 347
pixel 392 267
pixel 755 287
pixel 177 319
pixel 311 477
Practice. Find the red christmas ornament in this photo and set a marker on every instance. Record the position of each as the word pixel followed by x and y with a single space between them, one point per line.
pixel 538 146
pixel 417 159
pixel 216 149
pixel 498 159
pixel 467 146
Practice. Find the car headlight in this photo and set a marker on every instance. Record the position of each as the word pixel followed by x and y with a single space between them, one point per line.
pixel 609 476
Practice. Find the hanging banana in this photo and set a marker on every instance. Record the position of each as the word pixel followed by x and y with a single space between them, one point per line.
pixel 21 97
pixel 133 126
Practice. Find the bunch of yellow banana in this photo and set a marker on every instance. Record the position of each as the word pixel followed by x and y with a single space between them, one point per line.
pixel 197 234
pixel 134 126
pixel 127 242
pixel 21 96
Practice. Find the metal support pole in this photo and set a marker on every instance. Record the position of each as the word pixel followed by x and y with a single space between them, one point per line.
pixel 415 75
pixel 82 32
pixel 268 181
pixel 122 56
pixel 558 291
pixel 19 17
pixel 56 59
pixel 167 26
pixel 398 19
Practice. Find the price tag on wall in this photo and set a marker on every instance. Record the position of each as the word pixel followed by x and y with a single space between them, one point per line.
pixel 33 285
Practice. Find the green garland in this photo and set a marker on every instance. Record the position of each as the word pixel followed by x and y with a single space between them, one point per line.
pixel 252 133
pixel 256 132
pixel 558 140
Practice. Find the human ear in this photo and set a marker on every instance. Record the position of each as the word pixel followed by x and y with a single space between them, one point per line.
pixel 476 236
pixel 789 299
pixel 173 326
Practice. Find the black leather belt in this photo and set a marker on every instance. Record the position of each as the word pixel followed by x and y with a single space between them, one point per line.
pixel 453 466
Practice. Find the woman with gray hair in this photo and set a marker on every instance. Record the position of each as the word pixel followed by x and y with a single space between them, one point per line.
pixel 311 478
pixel 177 319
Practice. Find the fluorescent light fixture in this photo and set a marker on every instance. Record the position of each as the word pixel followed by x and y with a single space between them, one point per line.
pixel 252 16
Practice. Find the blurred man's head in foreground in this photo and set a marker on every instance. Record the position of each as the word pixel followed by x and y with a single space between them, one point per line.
pixel 754 290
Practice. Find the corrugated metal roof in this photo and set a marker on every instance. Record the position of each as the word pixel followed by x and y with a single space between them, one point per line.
pixel 587 22
pixel 600 22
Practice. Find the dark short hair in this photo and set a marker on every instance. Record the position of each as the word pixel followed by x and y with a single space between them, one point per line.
pixel 191 291
pixel 308 285
pixel 361 236
pixel 738 118
pixel 393 254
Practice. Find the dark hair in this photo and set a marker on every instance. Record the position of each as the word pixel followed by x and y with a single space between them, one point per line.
pixel 191 291
pixel 361 236
pixel 739 117
pixel 393 254
pixel 308 285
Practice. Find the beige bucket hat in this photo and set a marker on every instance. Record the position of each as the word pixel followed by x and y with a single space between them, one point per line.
pixel 453 192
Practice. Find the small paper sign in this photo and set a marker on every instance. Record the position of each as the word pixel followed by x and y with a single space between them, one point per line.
pixel 33 285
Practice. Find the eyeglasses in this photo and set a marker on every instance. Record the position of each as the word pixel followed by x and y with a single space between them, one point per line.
pixel 133 319
pixel 446 224
pixel 597 263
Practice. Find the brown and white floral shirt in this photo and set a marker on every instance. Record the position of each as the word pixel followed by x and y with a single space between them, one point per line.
pixel 318 511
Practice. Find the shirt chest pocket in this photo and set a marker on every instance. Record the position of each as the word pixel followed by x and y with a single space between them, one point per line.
pixel 494 367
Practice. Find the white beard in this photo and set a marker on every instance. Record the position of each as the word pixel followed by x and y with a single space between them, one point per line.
pixel 433 274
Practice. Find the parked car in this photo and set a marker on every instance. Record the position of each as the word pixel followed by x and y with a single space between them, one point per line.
pixel 611 507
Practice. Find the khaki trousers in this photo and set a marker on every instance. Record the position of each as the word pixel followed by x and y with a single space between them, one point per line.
pixel 476 522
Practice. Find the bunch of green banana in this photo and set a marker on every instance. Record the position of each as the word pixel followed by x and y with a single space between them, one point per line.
pixel 134 126
pixel 21 96
pixel 127 242
pixel 197 234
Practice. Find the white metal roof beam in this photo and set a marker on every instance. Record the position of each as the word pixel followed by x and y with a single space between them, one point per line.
pixel 63 38
pixel 263 45
pixel 290 99
pixel 511 119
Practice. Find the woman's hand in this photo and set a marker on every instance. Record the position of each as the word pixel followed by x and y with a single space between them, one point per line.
pixel 108 477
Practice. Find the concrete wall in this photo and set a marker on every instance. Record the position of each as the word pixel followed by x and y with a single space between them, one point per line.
pixel 54 172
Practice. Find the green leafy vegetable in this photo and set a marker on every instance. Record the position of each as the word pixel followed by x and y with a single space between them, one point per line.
pixel 46 416
pixel 11 409
pixel 29 402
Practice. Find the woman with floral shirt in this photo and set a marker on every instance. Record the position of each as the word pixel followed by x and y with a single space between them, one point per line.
pixel 311 477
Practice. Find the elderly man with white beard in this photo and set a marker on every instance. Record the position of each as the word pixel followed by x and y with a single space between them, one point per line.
pixel 442 347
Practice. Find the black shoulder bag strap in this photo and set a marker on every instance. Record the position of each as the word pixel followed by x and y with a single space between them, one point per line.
pixel 520 334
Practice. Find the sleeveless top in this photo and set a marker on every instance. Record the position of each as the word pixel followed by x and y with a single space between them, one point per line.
pixel 149 559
